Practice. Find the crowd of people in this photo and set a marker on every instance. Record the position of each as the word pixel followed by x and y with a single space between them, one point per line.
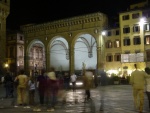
pixel 48 85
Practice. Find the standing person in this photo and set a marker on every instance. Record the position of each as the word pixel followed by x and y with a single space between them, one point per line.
pixel 53 85
pixel 137 80
pixel 147 70
pixel 66 80
pixel 103 83
pixel 42 88
pixel 73 79
pixel 32 87
pixel 22 88
pixel 41 85
pixel 103 77
pixel 8 84
pixel 88 83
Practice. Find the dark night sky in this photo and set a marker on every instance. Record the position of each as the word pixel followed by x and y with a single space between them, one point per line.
pixel 39 11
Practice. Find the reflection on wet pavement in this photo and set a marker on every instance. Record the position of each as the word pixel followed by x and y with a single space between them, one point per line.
pixel 75 103
pixel 105 99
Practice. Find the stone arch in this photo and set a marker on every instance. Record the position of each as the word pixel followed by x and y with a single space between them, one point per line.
pixel 89 51
pixel 58 49
pixel 36 64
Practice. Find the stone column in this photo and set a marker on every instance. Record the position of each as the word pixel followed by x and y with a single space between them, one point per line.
pixel 47 56
pixel 100 52
pixel 71 58
pixel 26 63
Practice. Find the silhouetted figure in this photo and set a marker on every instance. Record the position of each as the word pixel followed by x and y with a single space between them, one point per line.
pixel 42 84
pixel 8 84
pixel 66 81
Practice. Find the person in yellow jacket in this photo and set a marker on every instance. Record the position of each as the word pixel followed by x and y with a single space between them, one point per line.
pixel 137 80
pixel 88 83
pixel 22 88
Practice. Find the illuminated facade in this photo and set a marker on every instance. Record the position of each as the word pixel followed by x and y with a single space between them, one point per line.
pixel 67 44
pixel 15 53
pixel 118 49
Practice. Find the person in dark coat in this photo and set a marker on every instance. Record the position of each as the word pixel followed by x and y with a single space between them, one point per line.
pixel 66 80
pixel 8 84
pixel 53 86
pixel 41 85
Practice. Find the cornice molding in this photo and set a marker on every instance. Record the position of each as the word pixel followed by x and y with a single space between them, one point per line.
pixel 95 17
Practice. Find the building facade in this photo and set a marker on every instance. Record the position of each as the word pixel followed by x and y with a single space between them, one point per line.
pixel 4 12
pixel 15 51
pixel 67 44
pixel 77 42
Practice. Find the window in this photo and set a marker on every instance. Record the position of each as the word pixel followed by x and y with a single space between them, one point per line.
pixel 21 38
pixel 137 51
pixel 127 52
pixel 117 32
pixel 147 27
pixel 124 57
pixel 109 58
pixel 125 17
pixel 108 44
pixel 21 51
pixel 109 33
pixel 147 39
pixel 135 15
pixel 136 40
pixel 126 42
pixel 148 55
pixel 126 30
pixel 117 57
pixel 136 28
pixel 117 43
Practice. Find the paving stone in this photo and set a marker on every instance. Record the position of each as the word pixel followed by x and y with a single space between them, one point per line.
pixel 105 99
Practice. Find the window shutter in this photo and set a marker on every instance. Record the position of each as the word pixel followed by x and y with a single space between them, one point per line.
pixel 128 41
pixel 145 40
pixel 138 28
pixel 124 42
pixel 106 44
pixel 111 58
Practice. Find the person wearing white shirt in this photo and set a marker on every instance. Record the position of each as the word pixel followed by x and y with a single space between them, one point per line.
pixel 73 79
pixel 31 84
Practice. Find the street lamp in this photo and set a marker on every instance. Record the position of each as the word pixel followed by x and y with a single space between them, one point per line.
pixel 6 66
pixel 103 33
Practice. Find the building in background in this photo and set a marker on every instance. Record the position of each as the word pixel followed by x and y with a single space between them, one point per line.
pixel 4 12
pixel 15 51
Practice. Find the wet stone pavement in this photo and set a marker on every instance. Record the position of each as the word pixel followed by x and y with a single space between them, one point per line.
pixel 105 99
